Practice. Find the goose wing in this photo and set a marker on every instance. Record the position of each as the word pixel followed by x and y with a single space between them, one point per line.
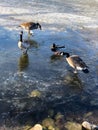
pixel 78 62
pixel 27 25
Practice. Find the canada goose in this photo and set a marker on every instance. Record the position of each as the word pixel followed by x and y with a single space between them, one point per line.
pixel 22 45
pixel 76 62
pixel 30 26
pixel 55 47
pixel 88 126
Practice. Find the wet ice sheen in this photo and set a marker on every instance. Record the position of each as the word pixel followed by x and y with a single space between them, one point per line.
pixel 72 23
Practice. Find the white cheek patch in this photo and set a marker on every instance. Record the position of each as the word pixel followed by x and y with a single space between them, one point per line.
pixel 61 54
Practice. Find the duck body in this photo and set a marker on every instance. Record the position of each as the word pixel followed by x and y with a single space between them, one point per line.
pixel 22 45
pixel 76 62
pixel 57 53
pixel 55 47
pixel 30 26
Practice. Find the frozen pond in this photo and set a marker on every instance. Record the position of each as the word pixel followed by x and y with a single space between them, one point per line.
pixel 72 23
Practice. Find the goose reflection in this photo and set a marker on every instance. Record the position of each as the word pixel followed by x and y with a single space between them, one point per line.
pixel 57 56
pixel 54 58
pixel 32 43
pixel 73 80
pixel 23 62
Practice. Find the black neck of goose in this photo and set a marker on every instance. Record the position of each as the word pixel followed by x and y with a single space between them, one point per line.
pixel 67 54
pixel 21 38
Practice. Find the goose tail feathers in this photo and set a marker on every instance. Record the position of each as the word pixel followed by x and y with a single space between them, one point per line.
pixel 85 70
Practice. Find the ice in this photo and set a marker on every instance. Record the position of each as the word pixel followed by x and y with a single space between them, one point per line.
pixel 13 13
pixel 73 23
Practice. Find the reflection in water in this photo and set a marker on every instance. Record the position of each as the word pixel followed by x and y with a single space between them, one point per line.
pixel 32 43
pixel 55 57
pixel 23 62
pixel 73 80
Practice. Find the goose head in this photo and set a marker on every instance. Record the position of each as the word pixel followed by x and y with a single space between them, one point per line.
pixel 38 25
pixel 65 53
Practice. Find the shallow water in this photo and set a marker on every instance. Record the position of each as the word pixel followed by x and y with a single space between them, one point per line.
pixel 70 23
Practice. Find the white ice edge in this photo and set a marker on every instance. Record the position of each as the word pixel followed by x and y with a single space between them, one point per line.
pixel 11 17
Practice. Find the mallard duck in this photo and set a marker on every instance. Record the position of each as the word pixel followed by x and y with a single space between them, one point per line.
pixel 22 45
pixel 30 26
pixel 55 47
pixel 76 62
pixel 88 126
pixel 58 53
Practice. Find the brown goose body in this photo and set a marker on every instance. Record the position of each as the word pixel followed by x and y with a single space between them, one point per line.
pixel 26 25
pixel 30 26
pixel 76 62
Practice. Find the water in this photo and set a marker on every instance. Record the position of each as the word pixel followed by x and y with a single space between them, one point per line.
pixel 72 23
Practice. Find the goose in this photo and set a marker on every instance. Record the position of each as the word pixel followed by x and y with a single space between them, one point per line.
pixel 22 45
pixel 55 47
pixel 30 26
pixel 88 126
pixel 76 62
